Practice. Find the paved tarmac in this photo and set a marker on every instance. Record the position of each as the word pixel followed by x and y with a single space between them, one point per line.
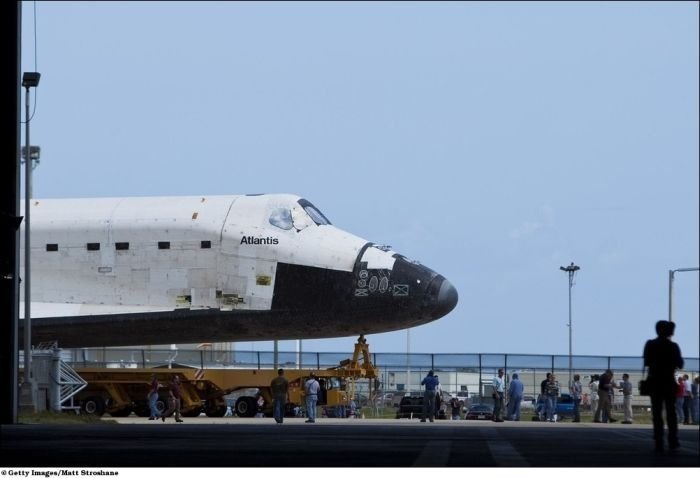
pixel 251 442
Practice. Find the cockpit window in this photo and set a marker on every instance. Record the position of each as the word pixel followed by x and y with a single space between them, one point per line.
pixel 282 218
pixel 299 217
pixel 316 215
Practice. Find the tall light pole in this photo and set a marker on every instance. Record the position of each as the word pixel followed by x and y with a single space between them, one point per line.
pixel 571 270
pixel 671 277
pixel 29 80
pixel 408 360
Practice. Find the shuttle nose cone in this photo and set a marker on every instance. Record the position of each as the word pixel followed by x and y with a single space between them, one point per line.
pixel 446 299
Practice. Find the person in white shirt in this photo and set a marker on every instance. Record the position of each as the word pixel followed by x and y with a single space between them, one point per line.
pixel 626 387
pixel 575 390
pixel 311 389
pixel 499 390
pixel 593 387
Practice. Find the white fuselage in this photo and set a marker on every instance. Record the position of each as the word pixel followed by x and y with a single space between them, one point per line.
pixel 136 271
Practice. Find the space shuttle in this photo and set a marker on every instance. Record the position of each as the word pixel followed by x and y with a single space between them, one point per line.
pixel 160 270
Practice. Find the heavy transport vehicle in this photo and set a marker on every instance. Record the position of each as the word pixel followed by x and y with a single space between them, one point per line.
pixel 122 391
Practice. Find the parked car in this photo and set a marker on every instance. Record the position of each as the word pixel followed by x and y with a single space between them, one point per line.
pixel 564 408
pixel 412 406
pixel 479 411
pixel 384 400
pixel 396 399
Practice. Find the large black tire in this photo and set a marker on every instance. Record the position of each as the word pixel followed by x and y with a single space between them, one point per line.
pixel 161 406
pixel 142 409
pixel 246 407
pixel 93 406
pixel 214 408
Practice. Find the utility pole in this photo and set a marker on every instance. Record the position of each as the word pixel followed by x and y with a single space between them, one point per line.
pixel 30 80
pixel 671 278
pixel 571 270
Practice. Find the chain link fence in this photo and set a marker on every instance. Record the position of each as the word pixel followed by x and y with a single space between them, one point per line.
pixel 468 376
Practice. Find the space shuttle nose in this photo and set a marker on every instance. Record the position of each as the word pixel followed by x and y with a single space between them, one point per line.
pixel 446 299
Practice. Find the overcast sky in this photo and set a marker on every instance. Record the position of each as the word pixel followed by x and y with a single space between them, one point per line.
pixel 493 142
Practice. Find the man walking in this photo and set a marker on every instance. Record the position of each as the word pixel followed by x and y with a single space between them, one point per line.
pixel 280 394
pixel 174 400
pixel 153 398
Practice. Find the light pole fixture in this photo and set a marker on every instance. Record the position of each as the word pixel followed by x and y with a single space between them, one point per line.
pixel 34 157
pixel 34 154
pixel 30 79
pixel 571 270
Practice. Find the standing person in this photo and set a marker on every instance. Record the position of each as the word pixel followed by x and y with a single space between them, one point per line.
pixel 454 407
pixel 542 399
pixel 576 391
pixel 695 392
pixel 431 383
pixel 311 389
pixel 593 387
pixel 353 407
pixel 279 386
pixel 174 400
pixel 515 396
pixel 153 398
pixel 604 386
pixel 627 398
pixel 551 394
pixel 663 357
pixel 438 397
pixel 687 400
pixel 611 393
pixel 680 392
pixel 260 406
pixel 499 392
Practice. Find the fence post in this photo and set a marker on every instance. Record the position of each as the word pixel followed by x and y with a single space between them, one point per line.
pixel 480 366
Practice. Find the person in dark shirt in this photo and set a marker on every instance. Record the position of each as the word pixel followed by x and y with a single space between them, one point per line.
pixel 542 398
pixel 153 398
pixel 605 384
pixel 174 400
pixel 431 384
pixel 663 357
pixel 280 395
pixel 551 392
pixel 543 384
pixel 454 407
